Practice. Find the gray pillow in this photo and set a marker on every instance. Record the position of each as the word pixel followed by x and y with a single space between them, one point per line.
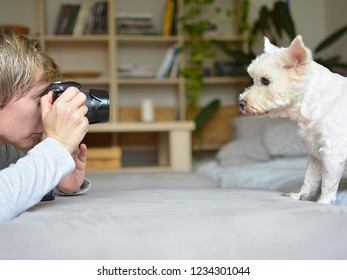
pixel 247 127
pixel 243 151
pixel 282 140
pixel 261 140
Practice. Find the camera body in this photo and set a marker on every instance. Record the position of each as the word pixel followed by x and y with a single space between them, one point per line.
pixel 98 101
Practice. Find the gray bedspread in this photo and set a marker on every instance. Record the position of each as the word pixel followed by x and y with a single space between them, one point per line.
pixel 175 216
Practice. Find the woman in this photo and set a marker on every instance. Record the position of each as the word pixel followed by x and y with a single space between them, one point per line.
pixel 29 166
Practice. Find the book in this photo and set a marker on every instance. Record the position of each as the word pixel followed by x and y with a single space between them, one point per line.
pixel 135 71
pixel 74 9
pixel 61 19
pixel 78 19
pixel 175 67
pixel 168 18
pixel 81 19
pixel 96 22
pixel 98 27
pixel 175 19
pixel 146 16
pixel 167 62
pixel 66 19
pixel 141 24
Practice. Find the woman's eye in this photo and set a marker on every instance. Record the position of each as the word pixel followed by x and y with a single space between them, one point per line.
pixel 265 81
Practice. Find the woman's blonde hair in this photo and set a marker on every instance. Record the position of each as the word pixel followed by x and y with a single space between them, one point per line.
pixel 21 59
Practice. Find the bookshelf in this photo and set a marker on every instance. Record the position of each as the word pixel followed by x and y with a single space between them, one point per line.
pixel 92 59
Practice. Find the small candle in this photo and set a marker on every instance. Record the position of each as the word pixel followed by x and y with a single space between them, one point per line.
pixel 147 111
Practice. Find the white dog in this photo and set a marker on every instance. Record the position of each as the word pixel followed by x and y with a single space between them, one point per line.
pixel 288 83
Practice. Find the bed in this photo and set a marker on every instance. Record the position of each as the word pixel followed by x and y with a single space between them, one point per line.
pixel 180 216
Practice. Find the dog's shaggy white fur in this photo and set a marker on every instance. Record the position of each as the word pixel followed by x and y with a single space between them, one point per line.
pixel 288 83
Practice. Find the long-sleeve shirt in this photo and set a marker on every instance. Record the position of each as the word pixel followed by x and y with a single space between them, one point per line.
pixel 25 179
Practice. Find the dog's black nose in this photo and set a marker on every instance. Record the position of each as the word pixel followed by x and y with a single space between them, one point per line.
pixel 243 104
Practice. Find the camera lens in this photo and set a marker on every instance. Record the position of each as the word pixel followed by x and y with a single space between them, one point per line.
pixel 98 104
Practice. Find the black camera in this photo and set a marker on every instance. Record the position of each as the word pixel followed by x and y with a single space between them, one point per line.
pixel 98 101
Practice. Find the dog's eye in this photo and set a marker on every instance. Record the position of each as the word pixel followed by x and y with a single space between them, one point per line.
pixel 264 81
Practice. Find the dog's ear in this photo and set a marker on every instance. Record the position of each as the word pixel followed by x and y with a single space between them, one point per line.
pixel 297 54
pixel 268 47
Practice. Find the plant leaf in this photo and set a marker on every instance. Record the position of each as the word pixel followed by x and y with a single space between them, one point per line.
pixel 263 21
pixel 282 11
pixel 238 55
pixel 341 65
pixel 332 63
pixel 277 22
pixel 331 39
pixel 243 15
pixel 206 113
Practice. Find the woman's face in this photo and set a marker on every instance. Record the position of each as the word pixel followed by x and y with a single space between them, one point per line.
pixel 21 122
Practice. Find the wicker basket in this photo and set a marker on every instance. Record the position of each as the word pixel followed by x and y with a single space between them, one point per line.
pixel 133 114
pixel 217 131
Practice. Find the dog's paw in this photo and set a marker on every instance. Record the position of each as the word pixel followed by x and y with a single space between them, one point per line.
pixel 327 200
pixel 298 196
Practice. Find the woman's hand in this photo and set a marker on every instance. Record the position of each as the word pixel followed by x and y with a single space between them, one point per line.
pixel 73 182
pixel 65 120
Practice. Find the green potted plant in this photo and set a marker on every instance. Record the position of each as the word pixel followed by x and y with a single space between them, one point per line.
pixel 195 23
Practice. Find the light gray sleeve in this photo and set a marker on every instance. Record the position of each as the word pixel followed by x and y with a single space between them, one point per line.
pixel 10 154
pixel 23 184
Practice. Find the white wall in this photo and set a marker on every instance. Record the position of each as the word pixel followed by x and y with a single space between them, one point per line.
pixel 310 20
pixel 314 20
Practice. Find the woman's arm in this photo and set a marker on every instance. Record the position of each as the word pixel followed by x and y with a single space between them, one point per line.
pixel 24 183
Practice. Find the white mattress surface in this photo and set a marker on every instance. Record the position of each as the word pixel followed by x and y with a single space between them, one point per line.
pixel 175 216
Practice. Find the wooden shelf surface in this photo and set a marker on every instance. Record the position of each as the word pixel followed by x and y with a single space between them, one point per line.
pixel 142 127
